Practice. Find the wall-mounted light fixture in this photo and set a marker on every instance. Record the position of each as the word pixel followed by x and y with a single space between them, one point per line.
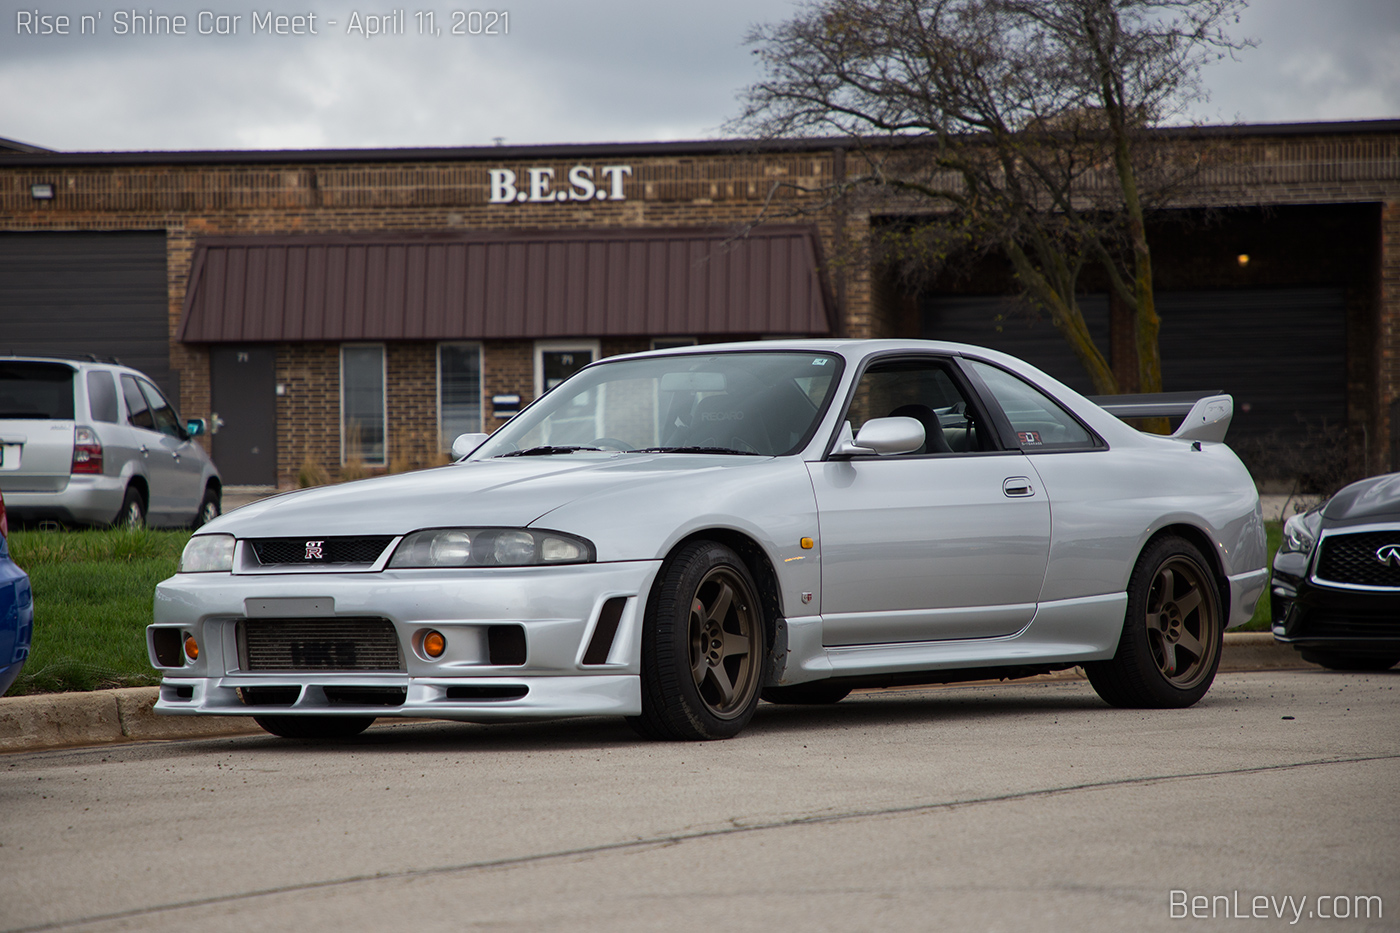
pixel 1242 259
pixel 41 192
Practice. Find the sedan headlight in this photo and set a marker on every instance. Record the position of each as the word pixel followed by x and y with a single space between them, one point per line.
pixel 489 547
pixel 1300 532
pixel 207 554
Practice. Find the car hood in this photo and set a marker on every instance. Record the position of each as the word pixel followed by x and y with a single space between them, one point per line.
pixel 1377 498
pixel 514 492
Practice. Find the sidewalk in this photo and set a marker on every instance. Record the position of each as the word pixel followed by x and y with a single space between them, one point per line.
pixel 62 720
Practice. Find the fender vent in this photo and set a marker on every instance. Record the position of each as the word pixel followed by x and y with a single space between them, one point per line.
pixel 606 630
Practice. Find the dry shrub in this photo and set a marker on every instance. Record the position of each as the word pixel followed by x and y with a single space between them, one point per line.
pixel 312 474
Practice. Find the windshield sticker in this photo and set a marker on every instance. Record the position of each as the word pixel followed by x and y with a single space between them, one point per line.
pixel 1029 437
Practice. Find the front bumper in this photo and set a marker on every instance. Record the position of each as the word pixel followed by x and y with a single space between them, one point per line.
pixel 1308 615
pixel 557 608
pixel 86 500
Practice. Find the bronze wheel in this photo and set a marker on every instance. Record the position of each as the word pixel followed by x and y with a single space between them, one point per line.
pixel 1172 634
pixel 1183 622
pixel 726 642
pixel 703 647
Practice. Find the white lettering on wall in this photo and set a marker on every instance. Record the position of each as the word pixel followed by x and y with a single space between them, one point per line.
pixel 505 187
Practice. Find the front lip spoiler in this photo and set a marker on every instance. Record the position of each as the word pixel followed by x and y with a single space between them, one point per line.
pixel 549 697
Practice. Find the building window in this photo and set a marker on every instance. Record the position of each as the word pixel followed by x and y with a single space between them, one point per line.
pixel 557 360
pixel 668 343
pixel 362 413
pixel 459 391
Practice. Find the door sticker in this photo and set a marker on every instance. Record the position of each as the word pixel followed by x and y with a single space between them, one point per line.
pixel 1028 437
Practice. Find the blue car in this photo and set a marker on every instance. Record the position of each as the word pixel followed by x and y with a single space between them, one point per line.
pixel 16 610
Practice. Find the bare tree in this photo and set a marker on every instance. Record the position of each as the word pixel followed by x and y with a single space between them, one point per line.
pixel 1016 125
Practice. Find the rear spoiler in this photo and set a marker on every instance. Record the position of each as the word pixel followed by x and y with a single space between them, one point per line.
pixel 1206 414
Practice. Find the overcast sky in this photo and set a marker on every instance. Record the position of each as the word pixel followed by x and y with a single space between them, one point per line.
pixel 567 71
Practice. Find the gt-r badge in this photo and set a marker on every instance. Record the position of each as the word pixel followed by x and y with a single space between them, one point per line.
pixel 314 550
pixel 1389 554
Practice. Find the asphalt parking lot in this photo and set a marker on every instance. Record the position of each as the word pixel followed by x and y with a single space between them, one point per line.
pixel 988 807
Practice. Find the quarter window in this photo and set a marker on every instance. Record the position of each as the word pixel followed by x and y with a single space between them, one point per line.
pixel 459 391
pixel 362 404
pixel 1038 422
pixel 102 396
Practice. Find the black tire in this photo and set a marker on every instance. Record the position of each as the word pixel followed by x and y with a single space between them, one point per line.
pixel 703 647
pixel 314 727
pixel 818 693
pixel 1173 630
pixel 210 508
pixel 1342 661
pixel 133 511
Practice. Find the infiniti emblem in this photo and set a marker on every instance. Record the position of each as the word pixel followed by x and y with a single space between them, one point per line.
pixel 1389 554
pixel 313 550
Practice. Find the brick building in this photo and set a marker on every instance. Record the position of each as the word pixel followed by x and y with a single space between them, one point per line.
pixel 344 311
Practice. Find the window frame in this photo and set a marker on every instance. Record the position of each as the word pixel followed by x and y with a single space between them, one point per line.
pixel 971 391
pixel 1009 437
pixel 383 398
pixel 444 442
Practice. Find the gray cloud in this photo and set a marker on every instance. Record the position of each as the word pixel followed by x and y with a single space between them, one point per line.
pixel 567 72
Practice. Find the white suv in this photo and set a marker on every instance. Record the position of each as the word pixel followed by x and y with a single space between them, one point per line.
pixel 93 443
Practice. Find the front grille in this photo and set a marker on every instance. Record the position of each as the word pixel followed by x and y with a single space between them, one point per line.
pixel 311 551
pixel 1352 559
pixel 347 644
pixel 1343 624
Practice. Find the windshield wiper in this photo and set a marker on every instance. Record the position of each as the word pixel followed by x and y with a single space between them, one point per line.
pixel 545 451
pixel 696 450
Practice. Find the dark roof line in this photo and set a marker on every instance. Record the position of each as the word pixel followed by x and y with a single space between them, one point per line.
pixel 14 145
pixel 33 156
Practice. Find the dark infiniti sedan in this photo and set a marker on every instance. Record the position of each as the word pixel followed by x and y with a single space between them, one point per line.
pixel 1336 583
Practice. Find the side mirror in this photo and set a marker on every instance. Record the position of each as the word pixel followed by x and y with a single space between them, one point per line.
pixel 196 426
pixel 883 436
pixel 466 443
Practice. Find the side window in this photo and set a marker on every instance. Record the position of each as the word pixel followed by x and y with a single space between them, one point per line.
pixel 166 421
pixel 926 391
pixel 138 412
pixel 102 396
pixel 1039 422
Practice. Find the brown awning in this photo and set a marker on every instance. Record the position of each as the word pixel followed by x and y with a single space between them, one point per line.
pixel 628 282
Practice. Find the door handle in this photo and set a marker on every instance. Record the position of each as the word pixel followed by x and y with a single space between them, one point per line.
pixel 1017 486
pixel 176 455
pixel 144 451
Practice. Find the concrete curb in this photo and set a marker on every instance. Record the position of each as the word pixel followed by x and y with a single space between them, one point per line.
pixel 60 720
pixel 63 720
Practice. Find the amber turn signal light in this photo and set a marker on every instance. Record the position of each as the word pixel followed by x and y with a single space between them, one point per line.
pixel 191 648
pixel 434 644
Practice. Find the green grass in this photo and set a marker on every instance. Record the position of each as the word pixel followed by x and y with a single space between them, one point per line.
pixel 92 603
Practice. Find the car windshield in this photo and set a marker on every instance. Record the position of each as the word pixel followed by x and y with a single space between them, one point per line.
pixel 749 402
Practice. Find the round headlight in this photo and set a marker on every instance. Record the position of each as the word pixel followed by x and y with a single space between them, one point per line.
pixel 450 549
pixel 515 547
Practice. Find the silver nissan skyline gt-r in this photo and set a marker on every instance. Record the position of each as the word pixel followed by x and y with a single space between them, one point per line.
pixel 670 536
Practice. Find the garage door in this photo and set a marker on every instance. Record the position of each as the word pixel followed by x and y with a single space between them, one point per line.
pixel 73 294
pixel 1281 352
pixel 1006 324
